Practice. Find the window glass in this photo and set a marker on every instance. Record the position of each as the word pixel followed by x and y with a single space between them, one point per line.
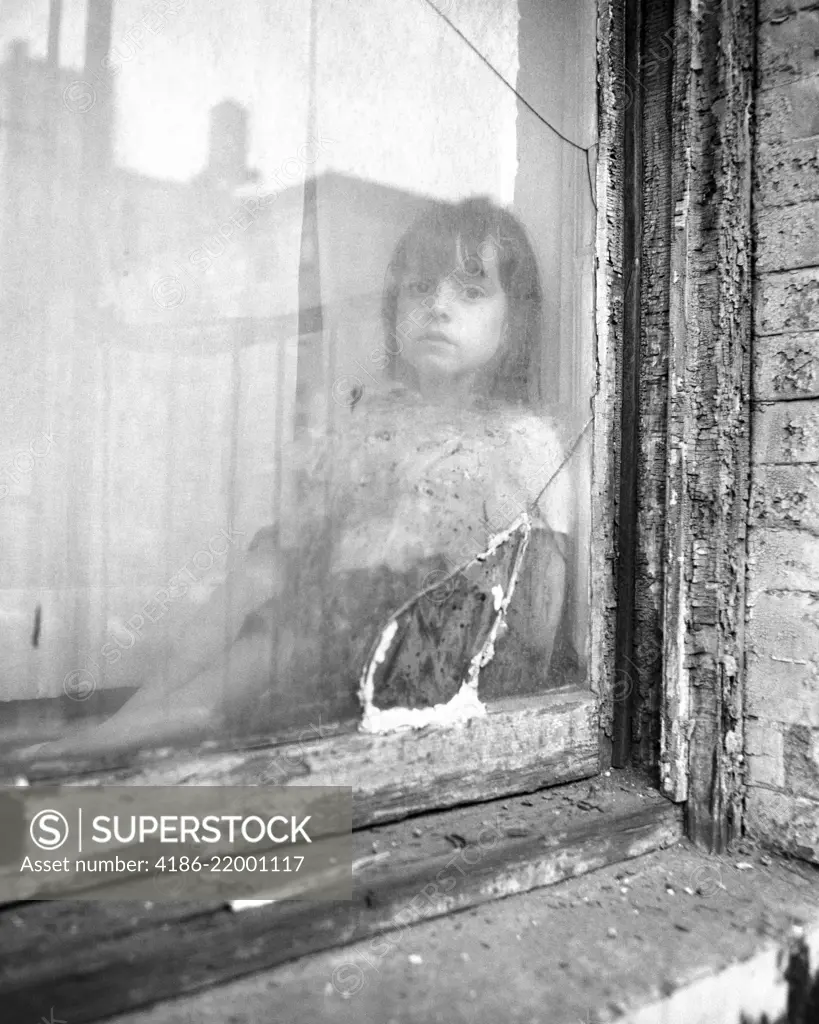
pixel 299 317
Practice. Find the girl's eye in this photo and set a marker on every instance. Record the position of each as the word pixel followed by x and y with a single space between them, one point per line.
pixel 419 287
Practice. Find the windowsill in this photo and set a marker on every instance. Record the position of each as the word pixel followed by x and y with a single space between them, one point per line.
pixel 121 957
pixel 547 956
pixel 519 745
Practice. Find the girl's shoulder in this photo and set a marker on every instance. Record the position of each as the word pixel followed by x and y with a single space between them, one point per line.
pixel 543 432
pixel 539 457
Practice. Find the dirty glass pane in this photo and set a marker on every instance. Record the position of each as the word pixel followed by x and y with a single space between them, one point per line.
pixel 297 314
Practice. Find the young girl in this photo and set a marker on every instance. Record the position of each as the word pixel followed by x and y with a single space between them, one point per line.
pixel 412 481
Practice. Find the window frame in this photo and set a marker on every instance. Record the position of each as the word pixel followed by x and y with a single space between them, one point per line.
pixel 696 685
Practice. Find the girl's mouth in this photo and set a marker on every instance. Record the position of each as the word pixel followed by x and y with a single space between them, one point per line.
pixel 436 336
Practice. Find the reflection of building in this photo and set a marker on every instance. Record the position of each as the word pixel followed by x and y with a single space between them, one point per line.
pixel 233 247
pixel 237 251
pixel 40 146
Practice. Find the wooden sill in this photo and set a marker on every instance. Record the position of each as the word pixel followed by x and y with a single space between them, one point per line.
pixel 700 939
pixel 91 961
pixel 520 745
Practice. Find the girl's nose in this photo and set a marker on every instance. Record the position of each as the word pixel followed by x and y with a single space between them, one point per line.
pixel 443 297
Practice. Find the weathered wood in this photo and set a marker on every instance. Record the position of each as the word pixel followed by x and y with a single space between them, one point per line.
pixel 624 697
pixel 607 400
pixel 32 932
pixel 519 745
pixel 46 928
pixel 461 858
pixel 645 672
pixel 706 495
pixel 786 366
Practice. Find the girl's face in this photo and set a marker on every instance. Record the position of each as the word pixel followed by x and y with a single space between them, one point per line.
pixel 451 327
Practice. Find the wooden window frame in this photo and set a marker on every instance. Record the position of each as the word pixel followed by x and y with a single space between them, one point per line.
pixel 673 368
pixel 686 404
pixel 706 446
pixel 680 369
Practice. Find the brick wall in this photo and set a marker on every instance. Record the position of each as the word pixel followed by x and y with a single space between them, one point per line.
pixel 782 638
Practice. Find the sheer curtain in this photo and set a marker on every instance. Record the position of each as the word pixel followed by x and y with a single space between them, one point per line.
pixel 199 206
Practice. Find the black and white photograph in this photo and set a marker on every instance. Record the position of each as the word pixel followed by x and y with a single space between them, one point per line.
pixel 409 511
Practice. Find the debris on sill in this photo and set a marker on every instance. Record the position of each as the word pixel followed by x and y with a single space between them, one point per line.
pixel 237 905
pixel 357 865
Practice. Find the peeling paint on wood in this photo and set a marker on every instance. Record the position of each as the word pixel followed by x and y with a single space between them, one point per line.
pixel 609 328
pixel 653 397
pixel 709 384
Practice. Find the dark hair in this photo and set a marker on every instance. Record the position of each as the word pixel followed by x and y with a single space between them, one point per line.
pixel 433 242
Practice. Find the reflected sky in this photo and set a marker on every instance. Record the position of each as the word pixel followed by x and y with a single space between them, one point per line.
pixel 383 71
